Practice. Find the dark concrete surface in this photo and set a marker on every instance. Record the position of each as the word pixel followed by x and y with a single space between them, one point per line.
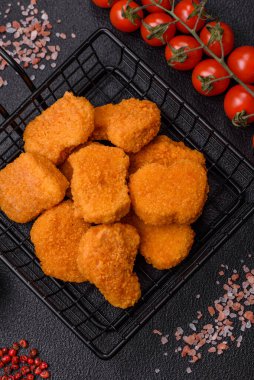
pixel 23 315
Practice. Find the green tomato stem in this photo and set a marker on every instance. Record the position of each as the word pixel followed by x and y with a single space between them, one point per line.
pixel 206 48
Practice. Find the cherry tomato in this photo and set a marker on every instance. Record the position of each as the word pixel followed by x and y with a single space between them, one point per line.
pixel 238 103
pixel 213 32
pixel 153 9
pixel 177 55
pixel 241 62
pixel 123 16
pixel 104 3
pixel 156 29
pixel 184 10
pixel 203 75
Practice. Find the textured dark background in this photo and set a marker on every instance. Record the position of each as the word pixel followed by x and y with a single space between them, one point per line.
pixel 22 315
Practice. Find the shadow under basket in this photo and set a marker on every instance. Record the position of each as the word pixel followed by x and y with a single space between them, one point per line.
pixel 104 79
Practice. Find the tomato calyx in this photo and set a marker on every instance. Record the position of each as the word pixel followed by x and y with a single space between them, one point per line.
pixel 216 33
pixel 156 31
pixel 178 55
pixel 131 13
pixel 241 119
pixel 207 82
pixel 199 10
pixel 110 2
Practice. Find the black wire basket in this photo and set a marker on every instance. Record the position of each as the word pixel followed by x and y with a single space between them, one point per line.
pixel 103 79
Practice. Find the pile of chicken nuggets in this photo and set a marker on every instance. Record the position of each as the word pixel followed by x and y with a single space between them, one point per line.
pixel 98 204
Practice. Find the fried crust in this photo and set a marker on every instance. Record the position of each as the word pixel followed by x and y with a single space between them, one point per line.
pixel 162 150
pixel 98 184
pixel 130 125
pixel 106 259
pixel 30 185
pixel 163 246
pixel 56 235
pixel 164 195
pixel 58 130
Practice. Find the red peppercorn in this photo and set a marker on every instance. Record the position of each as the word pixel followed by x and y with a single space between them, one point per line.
pixel 32 367
pixel 5 350
pixel 6 359
pixel 1 352
pixel 45 375
pixel 44 365
pixel 15 360
pixel 11 377
pixel 37 371
pixel 15 367
pixel 30 361
pixel 30 377
pixel 37 361
pixel 5 377
pixel 12 352
pixel 23 358
pixel 23 343
pixel 17 376
pixel 16 346
pixel 25 370
pixel 7 370
pixel 1 364
pixel 33 353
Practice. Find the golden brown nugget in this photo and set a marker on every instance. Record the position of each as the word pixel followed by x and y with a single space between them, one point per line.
pixel 98 184
pixel 130 125
pixel 30 185
pixel 163 246
pixel 164 195
pixel 56 235
pixel 106 259
pixel 162 150
pixel 58 130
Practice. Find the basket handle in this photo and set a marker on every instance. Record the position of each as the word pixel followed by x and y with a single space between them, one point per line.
pixel 23 75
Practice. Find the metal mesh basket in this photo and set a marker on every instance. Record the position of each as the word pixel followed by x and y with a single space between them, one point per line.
pixel 103 79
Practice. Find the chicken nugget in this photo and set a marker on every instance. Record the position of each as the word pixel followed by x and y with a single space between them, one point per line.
pixel 130 125
pixel 163 246
pixel 164 195
pixel 98 184
pixel 30 185
pixel 162 150
pixel 58 130
pixel 106 259
pixel 56 235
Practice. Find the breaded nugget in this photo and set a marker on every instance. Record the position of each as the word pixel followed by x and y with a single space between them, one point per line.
pixel 163 246
pixel 106 259
pixel 162 150
pixel 30 185
pixel 164 195
pixel 58 130
pixel 56 235
pixel 98 184
pixel 130 125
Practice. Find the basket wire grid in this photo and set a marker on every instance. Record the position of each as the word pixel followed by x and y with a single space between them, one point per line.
pixel 103 79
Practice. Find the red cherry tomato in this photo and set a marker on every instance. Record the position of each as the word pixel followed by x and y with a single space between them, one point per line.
pixel 241 62
pixel 177 55
pixel 123 16
pixel 153 9
pixel 156 29
pixel 204 74
pixel 238 104
pixel 104 3
pixel 184 10
pixel 211 35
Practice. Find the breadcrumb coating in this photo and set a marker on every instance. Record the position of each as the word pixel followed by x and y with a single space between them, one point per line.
pixel 164 195
pixel 130 125
pixel 58 130
pixel 56 235
pixel 98 184
pixel 162 150
pixel 30 185
pixel 106 259
pixel 163 246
